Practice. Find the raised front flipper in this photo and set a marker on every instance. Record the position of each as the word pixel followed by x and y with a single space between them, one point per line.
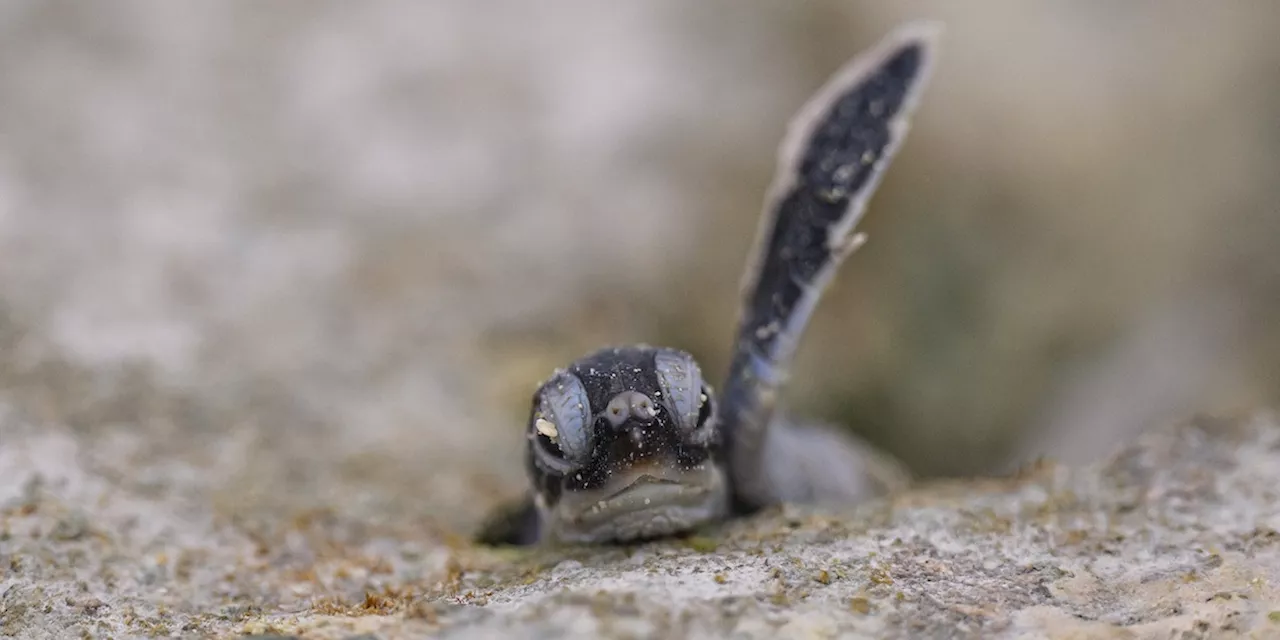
pixel 833 156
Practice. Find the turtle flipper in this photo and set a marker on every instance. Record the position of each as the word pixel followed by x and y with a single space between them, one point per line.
pixel 832 158
pixel 515 523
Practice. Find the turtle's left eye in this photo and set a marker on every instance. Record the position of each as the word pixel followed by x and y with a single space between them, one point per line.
pixel 706 406
pixel 560 425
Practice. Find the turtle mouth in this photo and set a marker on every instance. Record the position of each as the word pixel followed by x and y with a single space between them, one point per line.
pixel 645 503
pixel 647 490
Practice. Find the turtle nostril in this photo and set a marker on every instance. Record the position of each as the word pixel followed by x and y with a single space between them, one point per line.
pixel 618 410
pixel 630 406
pixel 641 406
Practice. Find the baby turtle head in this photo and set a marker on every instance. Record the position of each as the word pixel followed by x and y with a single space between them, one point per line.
pixel 624 444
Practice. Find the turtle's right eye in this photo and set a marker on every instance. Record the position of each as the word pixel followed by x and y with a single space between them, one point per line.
pixel 680 380
pixel 560 426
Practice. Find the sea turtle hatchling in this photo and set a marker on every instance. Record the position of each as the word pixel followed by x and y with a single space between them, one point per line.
pixel 631 443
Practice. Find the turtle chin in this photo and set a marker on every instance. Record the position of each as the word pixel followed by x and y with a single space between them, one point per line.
pixel 640 504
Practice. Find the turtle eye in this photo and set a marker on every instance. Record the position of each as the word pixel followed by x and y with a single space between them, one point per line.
pixel 560 426
pixel 680 380
pixel 706 406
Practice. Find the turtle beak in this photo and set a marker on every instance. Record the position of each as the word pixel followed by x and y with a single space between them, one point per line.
pixel 642 480
pixel 654 500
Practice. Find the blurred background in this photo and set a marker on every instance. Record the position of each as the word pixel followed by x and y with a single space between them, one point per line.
pixel 310 254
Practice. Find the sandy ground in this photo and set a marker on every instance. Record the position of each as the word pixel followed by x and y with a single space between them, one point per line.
pixel 105 537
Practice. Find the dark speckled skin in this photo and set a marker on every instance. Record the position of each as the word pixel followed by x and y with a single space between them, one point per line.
pixel 604 374
pixel 838 161
pixel 830 162
pixel 833 157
